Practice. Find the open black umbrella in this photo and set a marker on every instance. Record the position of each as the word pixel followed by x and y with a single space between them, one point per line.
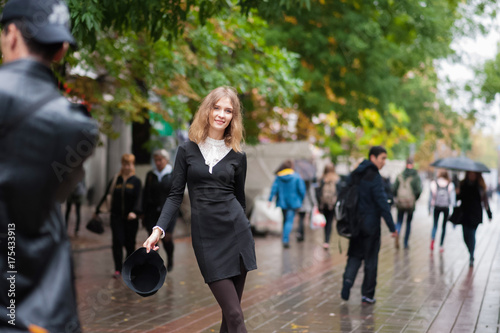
pixel 461 163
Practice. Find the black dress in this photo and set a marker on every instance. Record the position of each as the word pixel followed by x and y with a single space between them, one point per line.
pixel 220 230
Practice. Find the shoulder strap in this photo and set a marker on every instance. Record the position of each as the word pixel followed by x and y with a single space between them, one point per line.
pixel 11 125
pixel 113 184
pixel 356 177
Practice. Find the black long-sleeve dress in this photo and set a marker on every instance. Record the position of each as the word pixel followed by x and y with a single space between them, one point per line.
pixel 220 230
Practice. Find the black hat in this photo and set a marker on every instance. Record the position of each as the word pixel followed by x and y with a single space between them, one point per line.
pixel 47 21
pixel 144 272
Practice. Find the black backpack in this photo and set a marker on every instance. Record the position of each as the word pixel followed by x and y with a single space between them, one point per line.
pixel 346 208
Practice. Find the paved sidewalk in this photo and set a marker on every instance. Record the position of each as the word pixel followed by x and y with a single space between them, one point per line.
pixel 298 289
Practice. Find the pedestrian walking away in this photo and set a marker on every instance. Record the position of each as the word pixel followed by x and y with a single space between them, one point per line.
pixel 76 198
pixel 308 205
pixel 442 196
pixel 289 190
pixel 39 129
pixel 407 190
pixel 156 189
pixel 214 168
pixel 125 191
pixel 472 194
pixel 372 205
pixel 327 197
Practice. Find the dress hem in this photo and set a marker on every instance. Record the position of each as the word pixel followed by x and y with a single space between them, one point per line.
pixel 228 276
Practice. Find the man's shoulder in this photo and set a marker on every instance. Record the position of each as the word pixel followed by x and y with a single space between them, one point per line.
pixel 368 173
pixel 67 116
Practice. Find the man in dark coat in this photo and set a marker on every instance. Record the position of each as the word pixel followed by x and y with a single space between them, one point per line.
pixel 372 202
pixel 44 140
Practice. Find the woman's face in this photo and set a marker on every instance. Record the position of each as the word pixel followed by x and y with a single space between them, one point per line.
pixel 221 115
pixel 127 168
pixel 471 176
pixel 160 162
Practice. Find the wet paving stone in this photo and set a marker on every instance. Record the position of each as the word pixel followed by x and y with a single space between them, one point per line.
pixel 298 289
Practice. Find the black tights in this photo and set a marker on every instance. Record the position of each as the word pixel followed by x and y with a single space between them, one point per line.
pixel 228 294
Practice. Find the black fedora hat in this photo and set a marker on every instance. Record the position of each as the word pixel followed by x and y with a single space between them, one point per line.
pixel 144 272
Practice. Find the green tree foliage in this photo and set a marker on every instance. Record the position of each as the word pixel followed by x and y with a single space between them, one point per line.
pixel 285 57
pixel 356 54
pixel 157 18
pixel 137 72
pixel 373 130
pixel 361 54
pixel 490 85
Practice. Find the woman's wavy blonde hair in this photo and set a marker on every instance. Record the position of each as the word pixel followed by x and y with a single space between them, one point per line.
pixel 233 135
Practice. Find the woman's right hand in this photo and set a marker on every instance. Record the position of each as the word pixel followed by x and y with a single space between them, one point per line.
pixel 152 240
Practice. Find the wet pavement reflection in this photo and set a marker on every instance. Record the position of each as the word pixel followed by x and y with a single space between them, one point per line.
pixel 298 289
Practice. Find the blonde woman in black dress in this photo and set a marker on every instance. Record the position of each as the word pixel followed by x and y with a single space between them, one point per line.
pixel 214 168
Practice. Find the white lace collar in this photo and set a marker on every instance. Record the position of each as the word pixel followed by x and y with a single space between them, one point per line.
pixel 213 151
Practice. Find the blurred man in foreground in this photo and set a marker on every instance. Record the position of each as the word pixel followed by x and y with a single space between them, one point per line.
pixel 44 140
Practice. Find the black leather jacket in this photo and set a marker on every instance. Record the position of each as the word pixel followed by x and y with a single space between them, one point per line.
pixel 40 163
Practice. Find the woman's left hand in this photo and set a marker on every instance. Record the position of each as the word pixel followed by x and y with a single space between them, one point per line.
pixel 131 216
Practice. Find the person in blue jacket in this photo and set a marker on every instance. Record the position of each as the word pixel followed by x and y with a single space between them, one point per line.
pixel 372 202
pixel 289 190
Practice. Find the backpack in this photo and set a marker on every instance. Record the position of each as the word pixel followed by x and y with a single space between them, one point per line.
pixel 346 209
pixel 328 195
pixel 442 196
pixel 405 198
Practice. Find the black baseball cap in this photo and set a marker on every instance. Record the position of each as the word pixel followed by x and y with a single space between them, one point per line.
pixel 47 21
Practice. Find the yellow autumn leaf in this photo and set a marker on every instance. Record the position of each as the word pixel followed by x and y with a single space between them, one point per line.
pixel 331 118
pixel 341 132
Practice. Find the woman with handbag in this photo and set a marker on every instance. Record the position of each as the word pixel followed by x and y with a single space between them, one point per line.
pixel 125 191
pixel 214 167
pixel 472 194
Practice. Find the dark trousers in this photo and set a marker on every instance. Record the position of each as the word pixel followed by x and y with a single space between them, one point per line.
pixel 123 234
pixel 329 216
pixel 470 239
pixel 77 204
pixel 363 248
pixel 437 212
pixel 409 217
pixel 300 229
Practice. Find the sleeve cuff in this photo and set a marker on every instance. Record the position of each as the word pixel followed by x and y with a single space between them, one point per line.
pixel 162 231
